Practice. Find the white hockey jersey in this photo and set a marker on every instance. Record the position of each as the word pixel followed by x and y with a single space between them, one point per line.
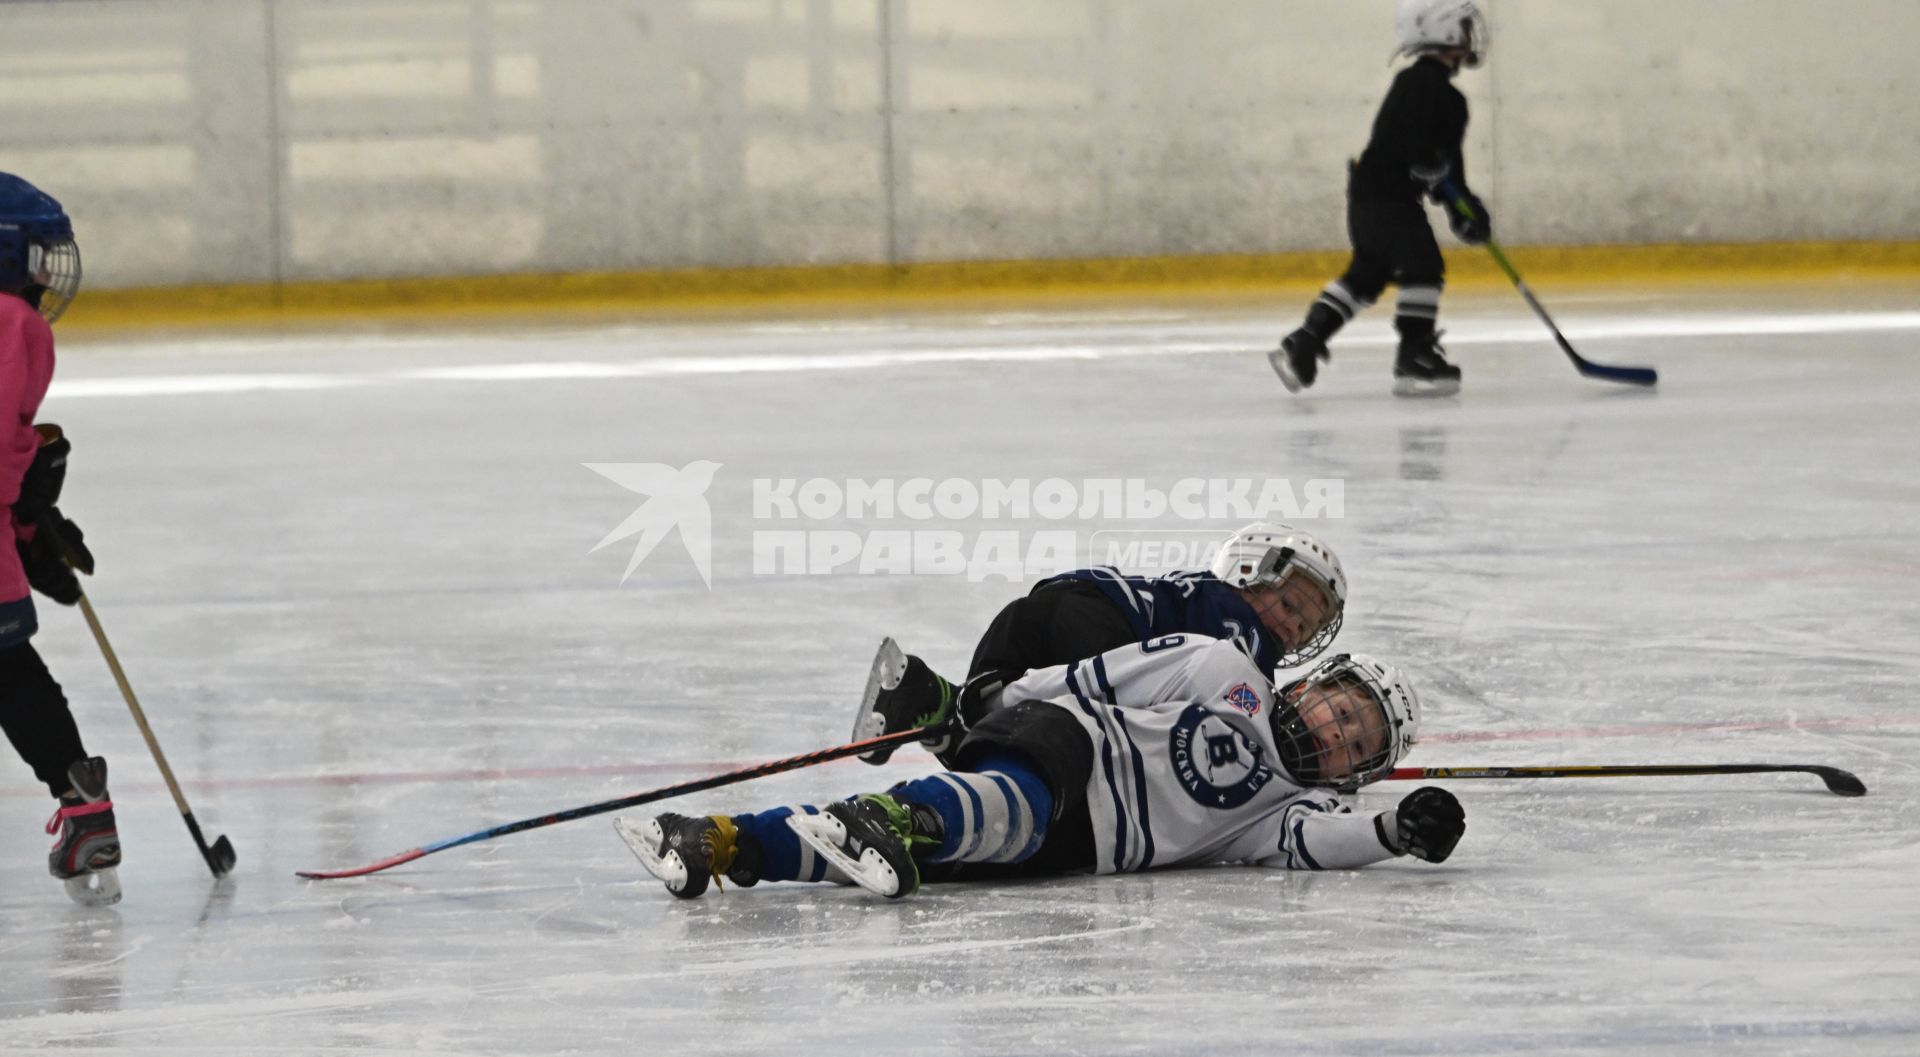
pixel 1185 768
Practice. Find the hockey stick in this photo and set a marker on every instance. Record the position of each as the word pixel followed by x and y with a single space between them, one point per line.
pixel 1625 375
pixel 1839 782
pixel 790 763
pixel 886 674
pixel 888 665
pixel 220 856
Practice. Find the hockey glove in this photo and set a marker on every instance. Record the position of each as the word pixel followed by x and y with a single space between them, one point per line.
pixel 972 703
pixel 1471 222
pixel 1426 825
pixel 45 476
pixel 1431 175
pixel 981 696
pixel 49 568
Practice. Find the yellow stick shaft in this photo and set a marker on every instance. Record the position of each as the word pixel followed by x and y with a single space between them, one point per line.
pixel 133 703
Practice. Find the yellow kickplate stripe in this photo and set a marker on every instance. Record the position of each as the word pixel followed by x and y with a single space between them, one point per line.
pixel 480 296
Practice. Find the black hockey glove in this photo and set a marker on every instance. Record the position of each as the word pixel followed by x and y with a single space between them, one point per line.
pixel 45 476
pixel 1426 825
pixel 981 696
pixel 973 702
pixel 1471 222
pixel 49 568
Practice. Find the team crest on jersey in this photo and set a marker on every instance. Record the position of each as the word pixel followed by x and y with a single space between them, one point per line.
pixel 1244 698
pixel 1217 764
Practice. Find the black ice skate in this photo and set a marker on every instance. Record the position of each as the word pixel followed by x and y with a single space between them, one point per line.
pixel 87 853
pixel 1296 361
pixel 919 698
pixel 870 839
pixel 1422 369
pixel 686 853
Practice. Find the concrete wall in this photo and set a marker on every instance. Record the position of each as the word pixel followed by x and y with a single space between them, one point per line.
pixel 201 141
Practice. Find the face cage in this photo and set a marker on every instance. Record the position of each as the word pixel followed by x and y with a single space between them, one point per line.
pixel 1475 38
pixel 1321 639
pixel 55 266
pixel 1300 754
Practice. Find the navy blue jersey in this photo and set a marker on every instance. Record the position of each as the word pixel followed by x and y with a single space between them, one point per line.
pixel 1185 602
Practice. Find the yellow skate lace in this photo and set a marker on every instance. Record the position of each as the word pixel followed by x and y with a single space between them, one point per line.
pixel 721 847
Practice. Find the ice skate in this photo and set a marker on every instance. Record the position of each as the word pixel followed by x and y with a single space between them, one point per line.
pixel 685 853
pixel 868 838
pixel 87 852
pixel 1296 361
pixel 918 698
pixel 1422 370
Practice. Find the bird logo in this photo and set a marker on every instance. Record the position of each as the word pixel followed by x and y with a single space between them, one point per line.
pixel 676 498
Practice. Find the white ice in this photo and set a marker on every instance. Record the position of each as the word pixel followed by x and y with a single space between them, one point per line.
pixel 352 577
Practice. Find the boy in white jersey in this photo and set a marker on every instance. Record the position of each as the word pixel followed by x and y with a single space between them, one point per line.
pixel 1176 751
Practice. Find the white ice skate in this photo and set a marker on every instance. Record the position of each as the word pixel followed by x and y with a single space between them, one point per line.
pixel 99 888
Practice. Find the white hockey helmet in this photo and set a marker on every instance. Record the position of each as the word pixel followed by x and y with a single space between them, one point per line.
pixel 1428 25
pixel 1271 553
pixel 1345 723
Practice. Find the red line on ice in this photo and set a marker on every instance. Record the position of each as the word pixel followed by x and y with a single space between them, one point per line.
pixel 1657 729
pixel 1834 572
pixel 495 774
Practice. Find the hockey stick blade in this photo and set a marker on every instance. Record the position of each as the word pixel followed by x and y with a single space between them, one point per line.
pixel 220 857
pixel 1838 782
pixel 1641 376
pixel 789 763
pixel 361 871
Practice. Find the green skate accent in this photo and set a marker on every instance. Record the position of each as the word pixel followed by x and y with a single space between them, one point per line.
pixel 941 711
pixel 900 820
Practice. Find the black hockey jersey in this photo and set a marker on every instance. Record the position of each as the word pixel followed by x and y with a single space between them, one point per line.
pixel 1416 137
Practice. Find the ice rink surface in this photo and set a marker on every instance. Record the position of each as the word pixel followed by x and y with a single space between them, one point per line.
pixel 353 578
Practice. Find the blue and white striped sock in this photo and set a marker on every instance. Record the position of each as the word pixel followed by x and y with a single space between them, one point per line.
pixel 996 813
pixel 785 856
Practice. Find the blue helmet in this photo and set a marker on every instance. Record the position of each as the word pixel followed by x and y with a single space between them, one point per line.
pixel 38 258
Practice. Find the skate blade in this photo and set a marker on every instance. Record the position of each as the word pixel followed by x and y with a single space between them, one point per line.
pixel 100 888
pixel 889 667
pixel 642 838
pixel 870 871
pixel 1425 387
pixel 1282 366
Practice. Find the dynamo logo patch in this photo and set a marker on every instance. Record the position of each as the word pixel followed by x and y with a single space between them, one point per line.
pixel 1218 766
pixel 1244 698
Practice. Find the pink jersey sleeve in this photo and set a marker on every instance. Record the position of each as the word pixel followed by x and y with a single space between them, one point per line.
pixel 26 369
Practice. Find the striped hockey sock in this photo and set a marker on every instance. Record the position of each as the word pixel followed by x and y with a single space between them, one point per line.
pixel 997 813
pixel 1334 308
pixel 785 856
pixel 1417 313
